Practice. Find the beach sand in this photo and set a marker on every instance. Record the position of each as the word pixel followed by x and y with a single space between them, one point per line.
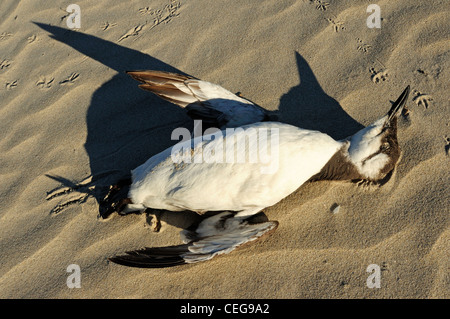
pixel 72 121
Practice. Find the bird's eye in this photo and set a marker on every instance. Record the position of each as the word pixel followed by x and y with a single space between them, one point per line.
pixel 385 146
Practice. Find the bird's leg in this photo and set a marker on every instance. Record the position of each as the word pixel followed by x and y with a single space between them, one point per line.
pixel 156 219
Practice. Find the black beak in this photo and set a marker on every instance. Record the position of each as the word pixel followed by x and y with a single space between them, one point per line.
pixel 398 105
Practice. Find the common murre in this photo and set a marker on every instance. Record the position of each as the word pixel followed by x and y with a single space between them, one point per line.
pixel 240 191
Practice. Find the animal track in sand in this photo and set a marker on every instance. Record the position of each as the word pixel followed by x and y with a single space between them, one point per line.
pixel 378 76
pixel 320 5
pixel 43 83
pixel 66 14
pixel 434 72
pixel 4 64
pixel 337 25
pixel 422 99
pixel 447 145
pixel 146 10
pixel 71 79
pixel 163 15
pixel 405 112
pixel 132 32
pixel 363 47
pixel 31 38
pixel 105 26
pixel 422 72
pixel 5 35
pixel 10 85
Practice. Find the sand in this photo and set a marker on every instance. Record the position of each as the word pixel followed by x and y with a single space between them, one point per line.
pixel 70 115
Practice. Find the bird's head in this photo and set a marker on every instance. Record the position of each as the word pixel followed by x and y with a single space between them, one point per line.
pixel 374 150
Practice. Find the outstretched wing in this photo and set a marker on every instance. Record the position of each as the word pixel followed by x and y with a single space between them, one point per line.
pixel 224 234
pixel 203 100
pixel 169 86
pixel 159 257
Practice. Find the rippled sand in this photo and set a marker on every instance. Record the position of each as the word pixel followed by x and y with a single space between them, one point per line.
pixel 70 115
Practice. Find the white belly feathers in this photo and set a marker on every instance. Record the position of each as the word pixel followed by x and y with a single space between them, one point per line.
pixel 279 158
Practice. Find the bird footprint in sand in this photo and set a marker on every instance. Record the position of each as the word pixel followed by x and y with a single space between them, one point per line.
pixel 10 85
pixel 132 32
pixel 166 14
pixel 320 5
pixel 337 25
pixel 422 99
pixel 42 83
pixel 163 15
pixel 447 145
pixel 5 35
pixel 4 64
pixel 378 76
pixel 31 38
pixel 71 79
pixel 105 26
pixel 146 10
pixel 363 47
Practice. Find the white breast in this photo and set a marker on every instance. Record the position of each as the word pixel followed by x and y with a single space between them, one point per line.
pixel 286 158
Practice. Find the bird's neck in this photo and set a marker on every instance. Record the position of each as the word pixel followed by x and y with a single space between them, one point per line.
pixel 339 167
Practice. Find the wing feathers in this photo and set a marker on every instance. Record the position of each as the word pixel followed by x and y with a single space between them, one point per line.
pixel 159 257
pixel 226 237
pixel 170 93
pixel 197 111
pixel 158 77
pixel 215 105
pixel 169 86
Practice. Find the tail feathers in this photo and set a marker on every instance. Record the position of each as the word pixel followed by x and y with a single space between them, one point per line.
pixel 227 235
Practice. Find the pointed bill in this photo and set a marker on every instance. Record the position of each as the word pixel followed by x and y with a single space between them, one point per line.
pixel 398 105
